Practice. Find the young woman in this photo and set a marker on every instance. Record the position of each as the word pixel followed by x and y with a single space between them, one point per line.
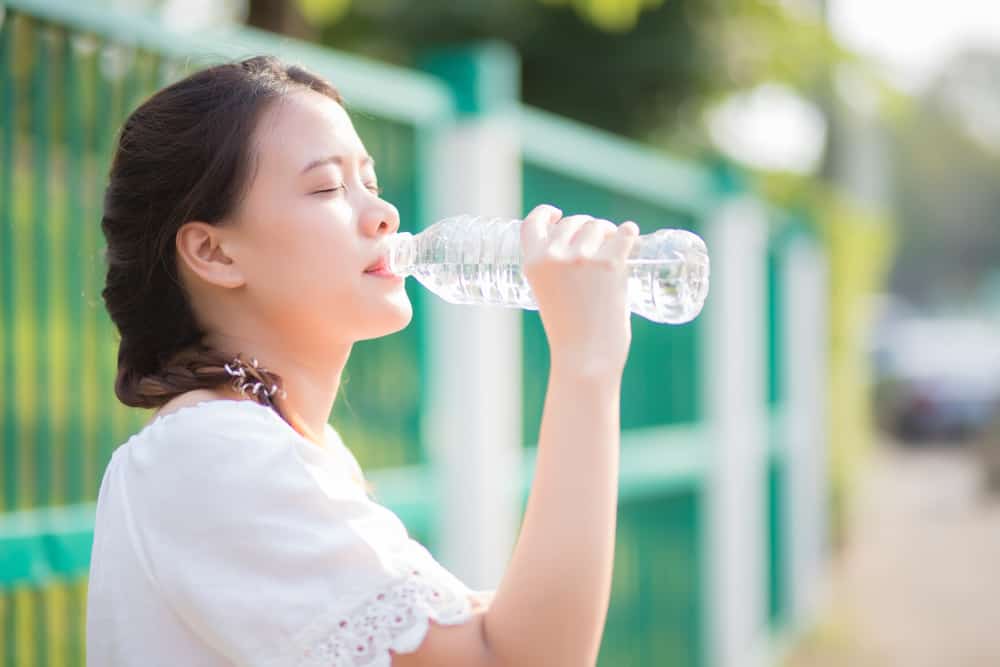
pixel 243 221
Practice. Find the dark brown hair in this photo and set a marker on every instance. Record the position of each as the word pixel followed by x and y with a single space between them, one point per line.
pixel 186 153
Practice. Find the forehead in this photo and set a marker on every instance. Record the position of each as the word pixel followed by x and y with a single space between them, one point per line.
pixel 301 127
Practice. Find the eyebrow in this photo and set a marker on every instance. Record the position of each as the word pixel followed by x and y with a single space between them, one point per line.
pixel 336 159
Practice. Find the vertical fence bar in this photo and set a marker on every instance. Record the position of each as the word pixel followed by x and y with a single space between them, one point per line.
pixel 41 103
pixel 734 400
pixel 22 280
pixel 8 128
pixel 22 613
pixel 7 631
pixel 805 428
pixel 56 353
pixel 78 650
pixel 8 131
pixel 23 646
pixel 57 228
pixel 61 625
pixel 95 104
pixel 72 145
pixel 87 124
pixel 41 231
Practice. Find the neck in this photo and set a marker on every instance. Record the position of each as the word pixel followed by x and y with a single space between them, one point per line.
pixel 310 381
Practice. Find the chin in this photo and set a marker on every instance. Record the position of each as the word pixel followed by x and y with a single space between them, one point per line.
pixel 389 321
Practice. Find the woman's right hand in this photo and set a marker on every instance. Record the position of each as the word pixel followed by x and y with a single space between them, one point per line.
pixel 576 269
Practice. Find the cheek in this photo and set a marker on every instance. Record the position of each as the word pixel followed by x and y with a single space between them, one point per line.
pixel 305 269
pixel 316 274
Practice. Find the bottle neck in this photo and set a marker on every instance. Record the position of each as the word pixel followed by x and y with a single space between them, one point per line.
pixel 402 252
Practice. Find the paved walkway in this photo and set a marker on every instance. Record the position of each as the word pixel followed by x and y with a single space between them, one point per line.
pixel 919 583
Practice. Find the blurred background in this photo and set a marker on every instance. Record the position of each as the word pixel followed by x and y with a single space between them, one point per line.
pixel 810 469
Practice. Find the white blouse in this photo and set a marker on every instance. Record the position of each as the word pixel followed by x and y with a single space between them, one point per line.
pixel 223 537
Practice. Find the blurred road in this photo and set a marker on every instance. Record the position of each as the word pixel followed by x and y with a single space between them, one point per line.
pixel 919 583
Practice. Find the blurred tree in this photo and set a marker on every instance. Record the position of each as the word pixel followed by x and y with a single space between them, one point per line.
pixel 947 165
pixel 635 67
pixel 283 17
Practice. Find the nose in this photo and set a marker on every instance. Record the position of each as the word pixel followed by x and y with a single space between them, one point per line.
pixel 381 218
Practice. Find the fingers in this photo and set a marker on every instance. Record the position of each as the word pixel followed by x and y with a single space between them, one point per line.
pixel 535 228
pixel 561 236
pixel 590 237
pixel 545 231
pixel 616 249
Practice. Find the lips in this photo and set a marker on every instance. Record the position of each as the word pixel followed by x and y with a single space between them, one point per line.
pixel 381 265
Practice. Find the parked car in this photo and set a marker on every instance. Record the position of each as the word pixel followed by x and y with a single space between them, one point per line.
pixel 937 378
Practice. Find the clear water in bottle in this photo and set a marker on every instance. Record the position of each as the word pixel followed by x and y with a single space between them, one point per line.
pixel 474 260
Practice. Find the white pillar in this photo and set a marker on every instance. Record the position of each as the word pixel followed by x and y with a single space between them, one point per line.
pixel 735 399
pixel 473 425
pixel 804 319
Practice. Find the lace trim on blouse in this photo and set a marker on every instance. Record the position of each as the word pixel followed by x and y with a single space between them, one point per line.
pixel 395 618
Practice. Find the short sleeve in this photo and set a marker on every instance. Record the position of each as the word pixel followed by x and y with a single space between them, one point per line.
pixel 271 561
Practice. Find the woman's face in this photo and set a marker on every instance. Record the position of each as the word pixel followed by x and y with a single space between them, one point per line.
pixel 311 223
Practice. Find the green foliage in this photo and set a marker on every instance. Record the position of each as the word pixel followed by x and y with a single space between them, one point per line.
pixel 319 12
pixel 610 15
pixel 633 67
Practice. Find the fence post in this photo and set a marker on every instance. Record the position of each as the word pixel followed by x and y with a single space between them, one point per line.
pixel 735 408
pixel 473 422
pixel 804 281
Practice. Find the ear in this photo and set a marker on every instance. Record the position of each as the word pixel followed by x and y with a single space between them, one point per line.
pixel 202 248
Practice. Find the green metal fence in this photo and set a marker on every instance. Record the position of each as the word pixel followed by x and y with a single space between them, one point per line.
pixel 68 77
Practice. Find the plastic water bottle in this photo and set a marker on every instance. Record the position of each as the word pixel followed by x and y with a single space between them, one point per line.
pixel 477 260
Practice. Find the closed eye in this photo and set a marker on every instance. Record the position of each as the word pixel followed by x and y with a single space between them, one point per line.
pixel 373 188
pixel 340 187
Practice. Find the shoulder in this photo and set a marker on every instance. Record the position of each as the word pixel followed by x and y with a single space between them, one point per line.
pixel 216 461
pixel 206 436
